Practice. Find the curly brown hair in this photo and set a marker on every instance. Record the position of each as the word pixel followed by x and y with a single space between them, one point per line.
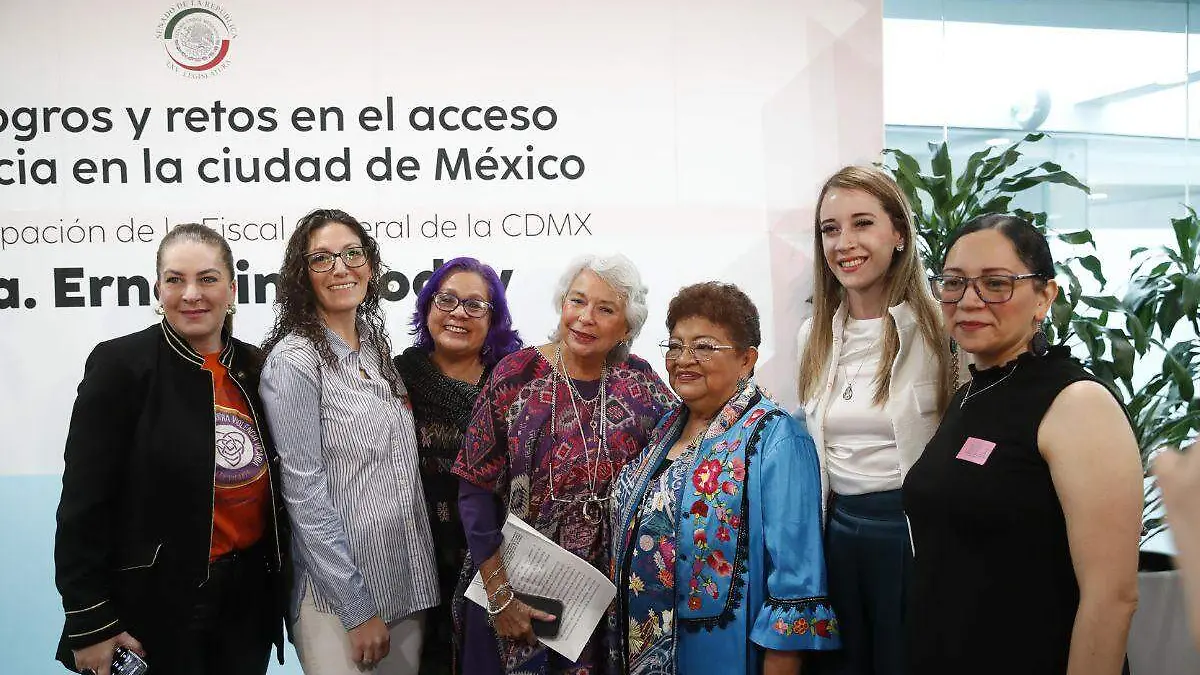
pixel 723 304
pixel 296 302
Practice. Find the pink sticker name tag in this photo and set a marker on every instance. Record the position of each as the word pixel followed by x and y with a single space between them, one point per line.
pixel 976 450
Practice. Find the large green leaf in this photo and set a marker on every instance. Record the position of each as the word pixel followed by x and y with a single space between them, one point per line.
pixel 966 181
pixel 1191 295
pixel 1175 369
pixel 1182 428
pixel 1137 331
pixel 1038 219
pixel 1074 288
pixel 1187 236
pixel 1092 264
pixel 1022 184
pixel 904 161
pixel 1103 302
pixel 1122 353
pixel 1170 311
pixel 1078 238
pixel 996 165
pixel 1089 333
pixel 1103 370
pixel 1060 316
pixel 996 205
pixel 1174 256
pixel 909 171
pixel 939 184
pixel 941 160
pixel 1142 291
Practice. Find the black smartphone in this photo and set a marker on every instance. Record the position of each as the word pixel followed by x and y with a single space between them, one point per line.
pixel 126 662
pixel 546 629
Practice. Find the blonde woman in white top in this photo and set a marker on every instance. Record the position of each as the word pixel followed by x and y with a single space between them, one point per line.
pixel 876 371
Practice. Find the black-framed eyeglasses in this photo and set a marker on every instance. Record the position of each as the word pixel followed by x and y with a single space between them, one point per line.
pixel 448 302
pixel 701 351
pixel 993 289
pixel 323 261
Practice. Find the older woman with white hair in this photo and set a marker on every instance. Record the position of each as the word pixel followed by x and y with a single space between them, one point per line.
pixel 550 429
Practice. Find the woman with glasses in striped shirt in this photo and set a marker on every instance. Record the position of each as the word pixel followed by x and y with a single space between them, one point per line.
pixel 363 552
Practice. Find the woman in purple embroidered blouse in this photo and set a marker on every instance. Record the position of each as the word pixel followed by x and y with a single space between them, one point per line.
pixel 550 429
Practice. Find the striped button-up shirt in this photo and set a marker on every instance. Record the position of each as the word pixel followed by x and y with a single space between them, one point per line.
pixel 348 451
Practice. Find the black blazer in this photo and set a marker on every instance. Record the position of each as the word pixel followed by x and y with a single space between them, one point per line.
pixel 136 513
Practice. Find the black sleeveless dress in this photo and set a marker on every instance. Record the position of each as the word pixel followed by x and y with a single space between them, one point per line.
pixel 993 590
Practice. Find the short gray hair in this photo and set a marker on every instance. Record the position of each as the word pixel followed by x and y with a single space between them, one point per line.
pixel 619 272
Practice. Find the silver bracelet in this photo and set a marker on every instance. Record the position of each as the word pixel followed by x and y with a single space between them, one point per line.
pixel 511 596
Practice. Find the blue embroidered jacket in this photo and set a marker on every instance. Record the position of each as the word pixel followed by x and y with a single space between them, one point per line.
pixel 750 564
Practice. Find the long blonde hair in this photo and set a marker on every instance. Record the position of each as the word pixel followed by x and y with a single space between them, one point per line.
pixel 905 282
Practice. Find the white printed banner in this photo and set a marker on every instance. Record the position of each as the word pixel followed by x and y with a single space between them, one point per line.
pixel 690 136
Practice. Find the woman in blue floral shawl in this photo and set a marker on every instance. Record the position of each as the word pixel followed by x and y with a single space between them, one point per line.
pixel 717 552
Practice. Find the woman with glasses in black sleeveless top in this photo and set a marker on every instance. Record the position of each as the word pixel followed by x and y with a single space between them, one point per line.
pixel 1025 507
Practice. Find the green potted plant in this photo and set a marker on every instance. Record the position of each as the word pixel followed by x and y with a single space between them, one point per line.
pixel 1164 290
pixel 989 182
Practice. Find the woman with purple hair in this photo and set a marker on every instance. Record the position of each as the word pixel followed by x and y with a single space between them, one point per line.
pixel 462 328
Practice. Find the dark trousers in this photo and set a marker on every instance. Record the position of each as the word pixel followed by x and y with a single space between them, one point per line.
pixel 869 560
pixel 226 626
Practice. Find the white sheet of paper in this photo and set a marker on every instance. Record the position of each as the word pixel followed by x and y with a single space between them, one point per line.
pixel 538 566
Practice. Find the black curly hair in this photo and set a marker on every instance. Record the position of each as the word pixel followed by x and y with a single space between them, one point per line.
pixel 296 302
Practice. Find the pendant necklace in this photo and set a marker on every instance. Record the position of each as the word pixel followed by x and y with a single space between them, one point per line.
pixel 593 505
pixel 968 395
pixel 848 392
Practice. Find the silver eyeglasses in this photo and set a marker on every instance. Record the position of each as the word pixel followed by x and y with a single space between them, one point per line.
pixel 701 351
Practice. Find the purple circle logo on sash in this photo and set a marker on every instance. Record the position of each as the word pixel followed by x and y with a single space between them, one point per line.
pixel 240 455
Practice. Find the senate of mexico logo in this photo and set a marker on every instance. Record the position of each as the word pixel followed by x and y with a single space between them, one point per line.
pixel 196 35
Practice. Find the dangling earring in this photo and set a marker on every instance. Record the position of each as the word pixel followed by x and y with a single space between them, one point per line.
pixel 231 310
pixel 743 382
pixel 487 349
pixel 158 309
pixel 1039 344
pixel 900 247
